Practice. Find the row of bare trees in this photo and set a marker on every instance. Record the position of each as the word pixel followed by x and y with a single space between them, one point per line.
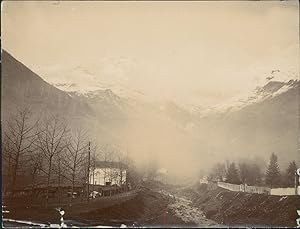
pixel 45 150
pixel 115 154
pixel 44 147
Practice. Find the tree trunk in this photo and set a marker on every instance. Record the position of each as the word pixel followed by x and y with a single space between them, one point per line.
pixel 48 181
pixel 72 189
pixel 8 181
pixel 14 177
pixel 59 191
pixel 33 183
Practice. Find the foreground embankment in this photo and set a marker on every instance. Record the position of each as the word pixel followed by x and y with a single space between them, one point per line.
pixel 147 208
pixel 238 208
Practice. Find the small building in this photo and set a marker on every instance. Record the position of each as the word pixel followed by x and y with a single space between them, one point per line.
pixel 107 173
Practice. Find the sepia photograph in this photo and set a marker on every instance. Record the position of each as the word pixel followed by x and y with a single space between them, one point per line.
pixel 147 114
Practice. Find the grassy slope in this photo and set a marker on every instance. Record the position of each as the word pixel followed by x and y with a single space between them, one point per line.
pixel 235 208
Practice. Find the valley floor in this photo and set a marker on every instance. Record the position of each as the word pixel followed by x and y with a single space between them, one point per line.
pixel 172 206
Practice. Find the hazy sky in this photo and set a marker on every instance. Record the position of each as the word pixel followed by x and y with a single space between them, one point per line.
pixel 196 52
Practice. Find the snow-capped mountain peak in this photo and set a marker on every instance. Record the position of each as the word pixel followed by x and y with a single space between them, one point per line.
pixel 277 83
pixel 271 88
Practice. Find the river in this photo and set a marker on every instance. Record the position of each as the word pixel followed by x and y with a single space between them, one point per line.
pixel 183 209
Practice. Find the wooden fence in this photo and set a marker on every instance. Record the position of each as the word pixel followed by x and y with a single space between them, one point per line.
pixel 257 189
pixel 250 189
pixel 283 191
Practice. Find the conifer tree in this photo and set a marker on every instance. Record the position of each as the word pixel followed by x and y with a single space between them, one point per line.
pixel 273 172
pixel 290 174
pixel 232 174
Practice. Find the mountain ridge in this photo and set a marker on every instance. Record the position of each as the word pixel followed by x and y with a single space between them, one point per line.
pixel 265 126
pixel 23 87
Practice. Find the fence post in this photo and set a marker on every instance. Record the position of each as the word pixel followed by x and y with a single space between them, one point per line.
pixel 296 183
pixel 88 173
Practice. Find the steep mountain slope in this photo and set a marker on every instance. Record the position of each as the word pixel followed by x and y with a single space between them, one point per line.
pixel 258 129
pixel 22 87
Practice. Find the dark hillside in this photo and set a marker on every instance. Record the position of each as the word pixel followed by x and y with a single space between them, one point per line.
pixel 22 87
pixel 237 208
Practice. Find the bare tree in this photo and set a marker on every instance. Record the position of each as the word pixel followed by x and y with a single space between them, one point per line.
pixel 133 174
pixel 93 159
pixel 243 172
pixel 122 161
pixel 75 155
pixel 20 136
pixel 250 173
pixel 218 172
pixel 108 157
pixel 51 141
pixel 7 163
pixel 35 163
pixel 232 175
